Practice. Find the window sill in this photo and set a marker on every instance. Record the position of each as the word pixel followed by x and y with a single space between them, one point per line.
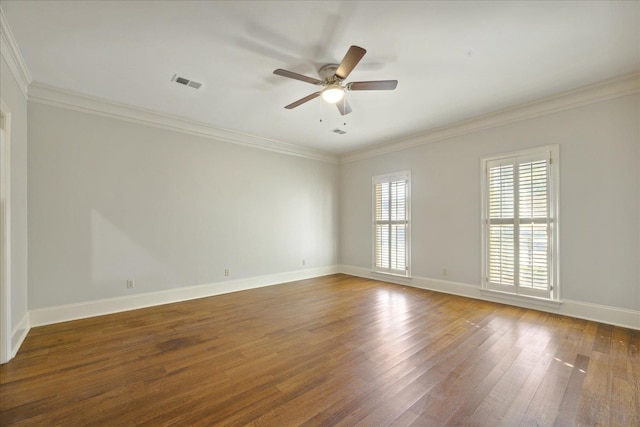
pixel 394 275
pixel 522 298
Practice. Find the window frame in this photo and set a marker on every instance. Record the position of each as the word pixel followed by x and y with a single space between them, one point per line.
pixel 552 152
pixel 391 177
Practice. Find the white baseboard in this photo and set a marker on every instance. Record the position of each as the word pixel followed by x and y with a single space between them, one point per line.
pixel 63 313
pixel 45 316
pixel 19 333
pixel 602 313
pixel 579 309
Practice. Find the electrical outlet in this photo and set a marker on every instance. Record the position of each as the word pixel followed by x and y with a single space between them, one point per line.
pixel 131 284
pixel 304 262
pixel 226 271
pixel 444 271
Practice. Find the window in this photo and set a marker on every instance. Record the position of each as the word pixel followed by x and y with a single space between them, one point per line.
pixel 520 223
pixel 391 223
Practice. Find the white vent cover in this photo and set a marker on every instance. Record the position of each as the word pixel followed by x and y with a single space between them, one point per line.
pixel 186 82
pixel 339 131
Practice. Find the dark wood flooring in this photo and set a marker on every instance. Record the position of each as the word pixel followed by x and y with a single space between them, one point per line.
pixel 336 350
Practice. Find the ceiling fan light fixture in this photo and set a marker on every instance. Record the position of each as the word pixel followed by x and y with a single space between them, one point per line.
pixel 333 76
pixel 332 94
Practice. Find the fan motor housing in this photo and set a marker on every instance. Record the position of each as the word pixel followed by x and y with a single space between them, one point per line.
pixel 327 72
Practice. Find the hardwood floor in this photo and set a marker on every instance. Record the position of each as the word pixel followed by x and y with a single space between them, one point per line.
pixel 336 350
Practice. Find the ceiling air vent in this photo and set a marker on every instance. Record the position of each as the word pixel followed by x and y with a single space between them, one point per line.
pixel 186 82
pixel 339 131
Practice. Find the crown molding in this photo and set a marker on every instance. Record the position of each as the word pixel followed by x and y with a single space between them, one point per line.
pixel 608 89
pixel 11 53
pixel 50 95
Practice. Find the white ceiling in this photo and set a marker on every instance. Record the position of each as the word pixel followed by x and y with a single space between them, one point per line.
pixel 453 60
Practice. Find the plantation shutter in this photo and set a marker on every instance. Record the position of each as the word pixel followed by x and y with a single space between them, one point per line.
pixel 502 256
pixel 391 224
pixel 519 224
pixel 534 224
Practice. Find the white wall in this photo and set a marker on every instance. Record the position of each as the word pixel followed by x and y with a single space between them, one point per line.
pixel 599 200
pixel 13 97
pixel 111 200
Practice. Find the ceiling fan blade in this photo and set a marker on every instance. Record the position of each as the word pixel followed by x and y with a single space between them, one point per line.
pixel 292 75
pixel 349 62
pixel 343 106
pixel 302 101
pixel 373 85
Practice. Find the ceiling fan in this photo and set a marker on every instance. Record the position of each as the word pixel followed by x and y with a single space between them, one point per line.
pixel 333 86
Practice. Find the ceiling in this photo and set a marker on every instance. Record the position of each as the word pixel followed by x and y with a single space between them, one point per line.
pixel 453 60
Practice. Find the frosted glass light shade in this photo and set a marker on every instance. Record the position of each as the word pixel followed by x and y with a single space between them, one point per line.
pixel 333 94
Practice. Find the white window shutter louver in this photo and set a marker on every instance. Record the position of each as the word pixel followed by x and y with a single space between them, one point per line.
pixel 519 225
pixel 391 221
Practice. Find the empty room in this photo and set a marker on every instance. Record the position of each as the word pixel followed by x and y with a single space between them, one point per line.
pixel 319 213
